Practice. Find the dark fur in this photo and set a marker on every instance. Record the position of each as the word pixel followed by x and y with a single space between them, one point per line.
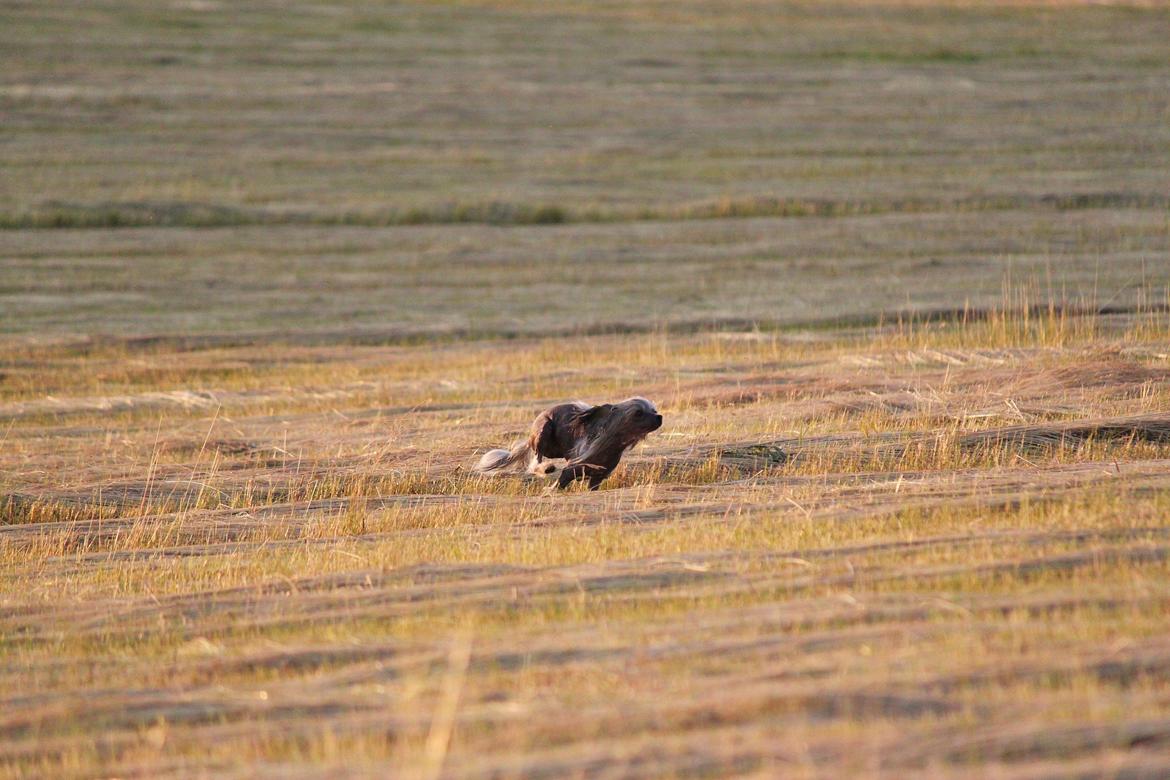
pixel 591 438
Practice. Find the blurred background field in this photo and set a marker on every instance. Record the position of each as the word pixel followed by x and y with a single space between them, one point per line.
pixel 324 167
pixel 896 273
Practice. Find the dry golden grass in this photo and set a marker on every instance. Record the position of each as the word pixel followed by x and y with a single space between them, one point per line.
pixel 932 548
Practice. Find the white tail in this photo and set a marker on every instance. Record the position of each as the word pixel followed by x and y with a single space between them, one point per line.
pixel 494 460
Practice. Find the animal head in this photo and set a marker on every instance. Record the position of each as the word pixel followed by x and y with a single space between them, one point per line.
pixel 627 422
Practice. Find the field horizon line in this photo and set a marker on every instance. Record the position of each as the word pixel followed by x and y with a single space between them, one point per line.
pixel 405 337
pixel 51 215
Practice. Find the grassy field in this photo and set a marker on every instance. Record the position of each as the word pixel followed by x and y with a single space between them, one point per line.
pixel 273 275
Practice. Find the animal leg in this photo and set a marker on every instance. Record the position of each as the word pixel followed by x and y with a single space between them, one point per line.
pixel 596 476
pixel 572 473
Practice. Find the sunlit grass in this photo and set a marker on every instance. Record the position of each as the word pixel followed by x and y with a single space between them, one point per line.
pixel 893 271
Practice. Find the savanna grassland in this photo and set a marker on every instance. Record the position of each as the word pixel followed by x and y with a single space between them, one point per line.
pixel 272 275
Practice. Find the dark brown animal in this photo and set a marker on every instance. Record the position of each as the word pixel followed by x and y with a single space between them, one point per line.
pixel 591 439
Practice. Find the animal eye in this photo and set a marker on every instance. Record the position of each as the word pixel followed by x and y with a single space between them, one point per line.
pixel 638 412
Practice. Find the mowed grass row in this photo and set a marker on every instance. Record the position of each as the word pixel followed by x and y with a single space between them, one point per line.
pixel 811 569
pixel 318 286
